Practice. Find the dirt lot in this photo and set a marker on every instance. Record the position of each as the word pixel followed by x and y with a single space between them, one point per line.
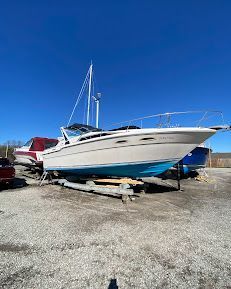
pixel 53 237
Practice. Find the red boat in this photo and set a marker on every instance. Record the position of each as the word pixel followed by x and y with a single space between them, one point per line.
pixel 30 154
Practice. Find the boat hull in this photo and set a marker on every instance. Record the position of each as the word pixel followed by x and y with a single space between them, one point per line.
pixel 134 170
pixel 140 153
pixel 195 160
pixel 27 158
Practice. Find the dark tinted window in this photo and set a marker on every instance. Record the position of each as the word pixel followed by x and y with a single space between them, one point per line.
pixel 50 144
pixel 32 145
pixel 93 136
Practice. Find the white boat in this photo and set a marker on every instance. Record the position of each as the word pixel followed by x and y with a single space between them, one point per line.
pixel 125 152
pixel 128 151
pixel 30 154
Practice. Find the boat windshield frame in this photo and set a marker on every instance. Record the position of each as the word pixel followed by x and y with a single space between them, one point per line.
pixel 82 128
pixel 29 143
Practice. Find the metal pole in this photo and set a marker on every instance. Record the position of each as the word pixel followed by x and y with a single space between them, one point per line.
pixel 89 95
pixel 178 176
pixel 7 147
pixel 210 161
pixel 97 114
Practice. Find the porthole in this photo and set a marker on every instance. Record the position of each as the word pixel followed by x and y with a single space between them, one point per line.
pixel 147 138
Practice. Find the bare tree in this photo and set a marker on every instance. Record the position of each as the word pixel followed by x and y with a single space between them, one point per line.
pixel 9 146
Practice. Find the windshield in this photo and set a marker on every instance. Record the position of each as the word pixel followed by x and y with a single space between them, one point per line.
pixel 28 144
pixel 73 133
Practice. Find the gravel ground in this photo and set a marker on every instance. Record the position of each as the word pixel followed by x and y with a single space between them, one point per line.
pixel 53 237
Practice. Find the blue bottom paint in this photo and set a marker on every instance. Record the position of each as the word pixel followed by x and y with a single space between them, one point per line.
pixel 120 170
pixel 195 160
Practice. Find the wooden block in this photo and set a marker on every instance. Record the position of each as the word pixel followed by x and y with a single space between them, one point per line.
pixel 120 181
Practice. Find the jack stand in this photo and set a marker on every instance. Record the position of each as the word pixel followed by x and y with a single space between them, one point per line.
pixel 44 176
pixel 203 172
pixel 179 167
pixel 145 188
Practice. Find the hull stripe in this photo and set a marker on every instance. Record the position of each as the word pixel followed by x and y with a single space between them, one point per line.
pixel 128 169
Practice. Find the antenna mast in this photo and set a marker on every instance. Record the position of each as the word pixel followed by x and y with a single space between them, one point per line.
pixel 89 94
pixel 97 99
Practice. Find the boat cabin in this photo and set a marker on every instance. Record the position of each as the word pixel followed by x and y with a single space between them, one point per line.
pixel 40 143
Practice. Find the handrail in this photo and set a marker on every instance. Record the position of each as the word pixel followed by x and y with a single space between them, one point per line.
pixel 169 114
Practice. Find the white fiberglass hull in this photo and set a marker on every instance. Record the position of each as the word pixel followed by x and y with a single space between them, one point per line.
pixel 24 160
pixel 28 158
pixel 134 153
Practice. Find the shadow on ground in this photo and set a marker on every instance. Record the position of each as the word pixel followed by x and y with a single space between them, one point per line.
pixel 153 188
pixel 113 284
pixel 15 184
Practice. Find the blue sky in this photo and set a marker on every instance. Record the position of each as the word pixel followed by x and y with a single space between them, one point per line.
pixel 149 57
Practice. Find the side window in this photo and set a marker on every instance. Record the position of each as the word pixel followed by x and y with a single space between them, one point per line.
pixel 92 136
pixel 32 145
pixel 50 144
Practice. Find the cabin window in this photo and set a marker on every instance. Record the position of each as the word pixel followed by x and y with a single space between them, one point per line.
pixel 93 136
pixel 50 144
pixel 32 147
pixel 121 141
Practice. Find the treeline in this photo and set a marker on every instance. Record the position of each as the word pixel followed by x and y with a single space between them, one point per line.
pixel 217 162
pixel 8 147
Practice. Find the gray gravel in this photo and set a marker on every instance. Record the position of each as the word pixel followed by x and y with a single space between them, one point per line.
pixel 53 237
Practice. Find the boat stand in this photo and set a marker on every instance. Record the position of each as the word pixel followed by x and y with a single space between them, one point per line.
pixel 178 175
pixel 45 175
pixel 123 188
pixel 174 174
pixel 32 174
pixel 118 187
